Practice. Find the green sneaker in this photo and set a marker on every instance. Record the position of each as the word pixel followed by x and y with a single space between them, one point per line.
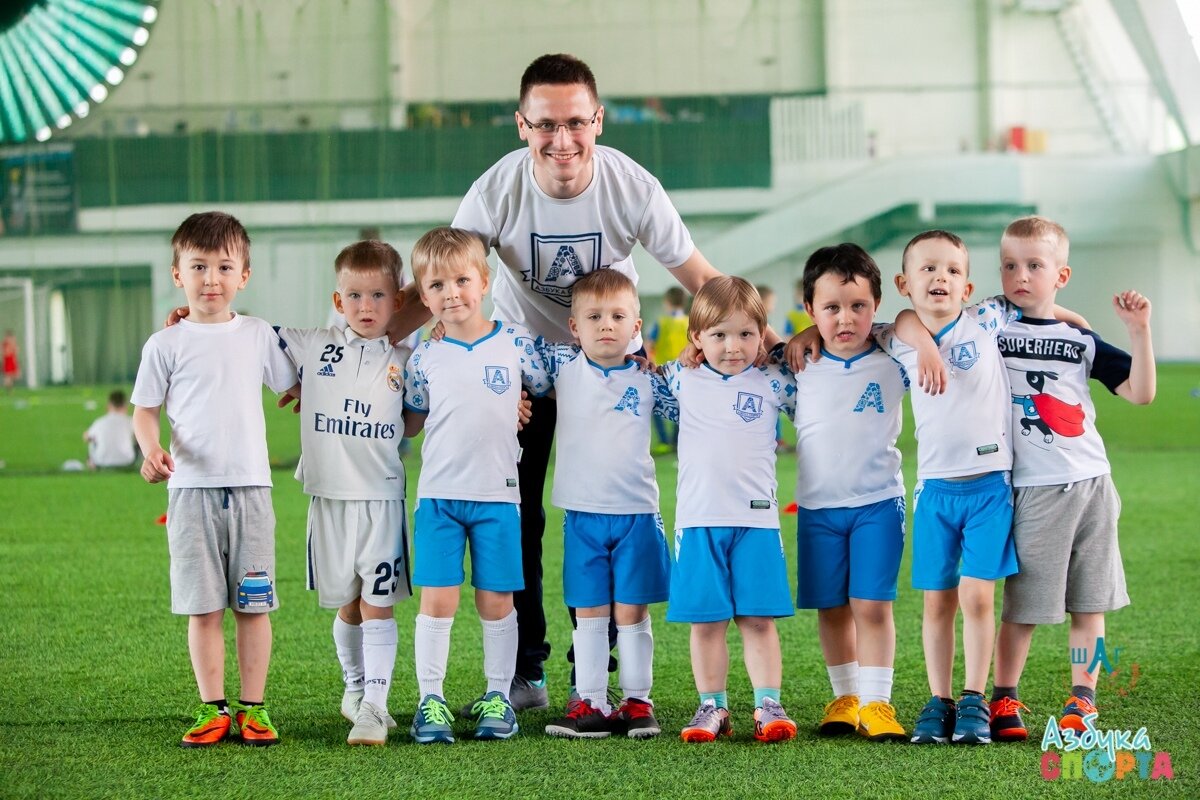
pixel 211 727
pixel 255 725
pixel 432 721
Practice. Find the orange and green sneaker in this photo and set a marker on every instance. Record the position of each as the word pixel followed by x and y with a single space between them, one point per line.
pixel 255 725
pixel 1073 713
pixel 211 727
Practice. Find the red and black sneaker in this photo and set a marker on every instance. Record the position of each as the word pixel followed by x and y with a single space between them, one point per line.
pixel 1007 725
pixel 1074 711
pixel 635 719
pixel 582 721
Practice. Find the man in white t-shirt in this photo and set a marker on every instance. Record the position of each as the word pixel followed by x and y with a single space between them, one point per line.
pixel 554 212
pixel 110 438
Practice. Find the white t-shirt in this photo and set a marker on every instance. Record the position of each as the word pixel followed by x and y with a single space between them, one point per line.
pixel 351 413
pixel 848 414
pixel 603 463
pixel 546 244
pixel 966 429
pixel 470 391
pixel 727 444
pixel 1049 363
pixel 111 440
pixel 210 379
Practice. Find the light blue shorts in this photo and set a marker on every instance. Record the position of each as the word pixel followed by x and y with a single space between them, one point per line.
pixel 848 552
pixel 443 530
pixel 607 557
pixel 722 573
pixel 967 520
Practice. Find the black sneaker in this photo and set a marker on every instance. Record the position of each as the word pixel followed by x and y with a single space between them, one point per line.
pixel 635 719
pixel 1007 725
pixel 581 721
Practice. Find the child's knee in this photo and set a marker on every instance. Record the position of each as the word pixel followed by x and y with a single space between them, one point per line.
pixel 872 613
pixel 493 605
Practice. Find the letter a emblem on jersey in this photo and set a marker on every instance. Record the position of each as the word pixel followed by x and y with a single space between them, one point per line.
pixel 749 406
pixel 963 356
pixel 496 379
pixel 872 397
pixel 629 401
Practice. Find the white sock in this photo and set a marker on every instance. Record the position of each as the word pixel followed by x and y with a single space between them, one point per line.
pixel 500 652
pixel 591 661
pixel 379 659
pixel 348 640
pixel 635 651
pixel 431 650
pixel 876 684
pixel 844 678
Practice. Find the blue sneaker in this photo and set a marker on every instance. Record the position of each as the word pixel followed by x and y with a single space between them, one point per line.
pixel 495 718
pixel 935 725
pixel 974 723
pixel 432 721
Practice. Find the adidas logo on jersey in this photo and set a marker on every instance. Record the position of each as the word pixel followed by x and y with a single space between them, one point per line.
pixel 327 371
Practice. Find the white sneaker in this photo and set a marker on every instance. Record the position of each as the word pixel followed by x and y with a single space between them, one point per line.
pixel 371 726
pixel 351 700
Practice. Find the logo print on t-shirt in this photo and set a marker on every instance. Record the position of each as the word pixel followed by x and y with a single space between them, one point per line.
pixel 628 402
pixel 749 406
pixel 963 356
pixel 496 379
pixel 872 397
pixel 556 262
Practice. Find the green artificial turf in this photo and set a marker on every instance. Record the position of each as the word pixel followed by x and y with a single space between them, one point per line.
pixel 96 683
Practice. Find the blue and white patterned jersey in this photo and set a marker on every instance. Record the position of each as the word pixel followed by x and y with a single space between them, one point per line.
pixel 470 390
pixel 727 444
pixel 966 429
pixel 848 414
pixel 602 461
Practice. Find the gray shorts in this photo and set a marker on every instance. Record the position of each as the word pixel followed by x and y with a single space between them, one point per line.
pixel 1066 538
pixel 222 545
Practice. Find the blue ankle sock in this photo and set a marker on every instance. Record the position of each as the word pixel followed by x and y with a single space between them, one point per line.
pixel 763 694
pixel 719 699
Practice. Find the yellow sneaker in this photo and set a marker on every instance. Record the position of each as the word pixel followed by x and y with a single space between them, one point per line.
pixel 877 722
pixel 841 716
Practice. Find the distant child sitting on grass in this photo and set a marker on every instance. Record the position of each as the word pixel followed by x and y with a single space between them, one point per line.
pixel 110 438
pixel 666 340
pixel 1066 507
pixel 615 557
pixel 351 426
pixel 464 390
pixel 850 519
pixel 208 371
pixel 729 561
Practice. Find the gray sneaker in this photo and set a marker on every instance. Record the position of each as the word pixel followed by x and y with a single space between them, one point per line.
pixel 772 724
pixel 526 694
pixel 371 726
pixel 707 724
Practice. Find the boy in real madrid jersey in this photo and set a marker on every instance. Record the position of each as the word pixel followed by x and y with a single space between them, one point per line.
pixel 1066 506
pixel 729 561
pixel 464 390
pixel 350 430
pixel 614 550
pixel 850 519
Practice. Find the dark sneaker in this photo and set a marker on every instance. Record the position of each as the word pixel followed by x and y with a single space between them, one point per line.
pixel 1073 713
pixel 431 722
pixel 974 723
pixel 1007 725
pixel 525 694
pixel 211 727
pixel 635 719
pixel 582 721
pixel 935 724
pixel 494 717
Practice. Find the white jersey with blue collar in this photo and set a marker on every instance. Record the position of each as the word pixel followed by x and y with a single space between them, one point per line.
pixel 965 430
pixel 848 416
pixel 470 390
pixel 351 415
pixel 727 444
pixel 602 463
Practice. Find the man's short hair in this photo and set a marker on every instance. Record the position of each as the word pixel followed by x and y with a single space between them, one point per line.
pixel 1041 228
pixel 212 232
pixel 936 233
pixel 116 399
pixel 846 260
pixel 721 296
pixel 675 296
pixel 448 245
pixel 370 255
pixel 602 283
pixel 557 69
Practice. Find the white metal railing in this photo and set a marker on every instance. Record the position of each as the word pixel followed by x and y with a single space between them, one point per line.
pixel 817 128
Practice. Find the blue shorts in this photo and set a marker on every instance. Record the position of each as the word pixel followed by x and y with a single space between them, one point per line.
pixel 971 520
pixel 607 557
pixel 722 573
pixel 848 552
pixel 443 529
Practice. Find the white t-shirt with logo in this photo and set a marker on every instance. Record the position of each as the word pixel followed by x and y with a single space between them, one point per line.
pixel 111 440
pixel 727 444
pixel 210 379
pixel 351 413
pixel 470 391
pixel 546 244
pixel 603 463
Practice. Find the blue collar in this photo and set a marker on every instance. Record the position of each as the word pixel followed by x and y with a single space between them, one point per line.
pixel 472 345
pixel 846 362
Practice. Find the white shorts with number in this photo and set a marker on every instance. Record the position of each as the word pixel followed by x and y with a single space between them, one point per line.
pixel 358 548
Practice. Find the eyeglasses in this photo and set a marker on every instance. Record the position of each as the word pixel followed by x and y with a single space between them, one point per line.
pixel 551 128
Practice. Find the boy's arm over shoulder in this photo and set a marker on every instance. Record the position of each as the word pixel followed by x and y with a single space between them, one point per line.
pixel 932 375
pixel 416 393
pixel 783 385
pixel 555 355
pixel 1133 309
pixel 279 373
pixel 665 404
pixel 534 375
